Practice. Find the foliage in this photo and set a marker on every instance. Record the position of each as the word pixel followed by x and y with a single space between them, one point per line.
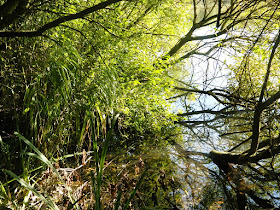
pixel 91 79
pixel 67 87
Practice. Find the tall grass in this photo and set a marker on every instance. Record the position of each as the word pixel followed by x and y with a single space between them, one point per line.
pixel 30 185
pixel 62 93
pixel 99 161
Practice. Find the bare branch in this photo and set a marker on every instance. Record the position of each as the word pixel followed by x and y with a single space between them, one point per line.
pixel 271 100
pixel 194 12
pixel 231 99
pixel 219 112
pixel 219 13
pixel 260 105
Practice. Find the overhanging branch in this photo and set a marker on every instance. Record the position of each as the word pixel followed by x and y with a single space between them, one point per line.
pixel 57 22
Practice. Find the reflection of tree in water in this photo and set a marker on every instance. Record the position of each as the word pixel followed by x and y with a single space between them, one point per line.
pixel 244 116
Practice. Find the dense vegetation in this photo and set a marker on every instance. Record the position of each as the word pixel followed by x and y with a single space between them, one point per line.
pixel 153 104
